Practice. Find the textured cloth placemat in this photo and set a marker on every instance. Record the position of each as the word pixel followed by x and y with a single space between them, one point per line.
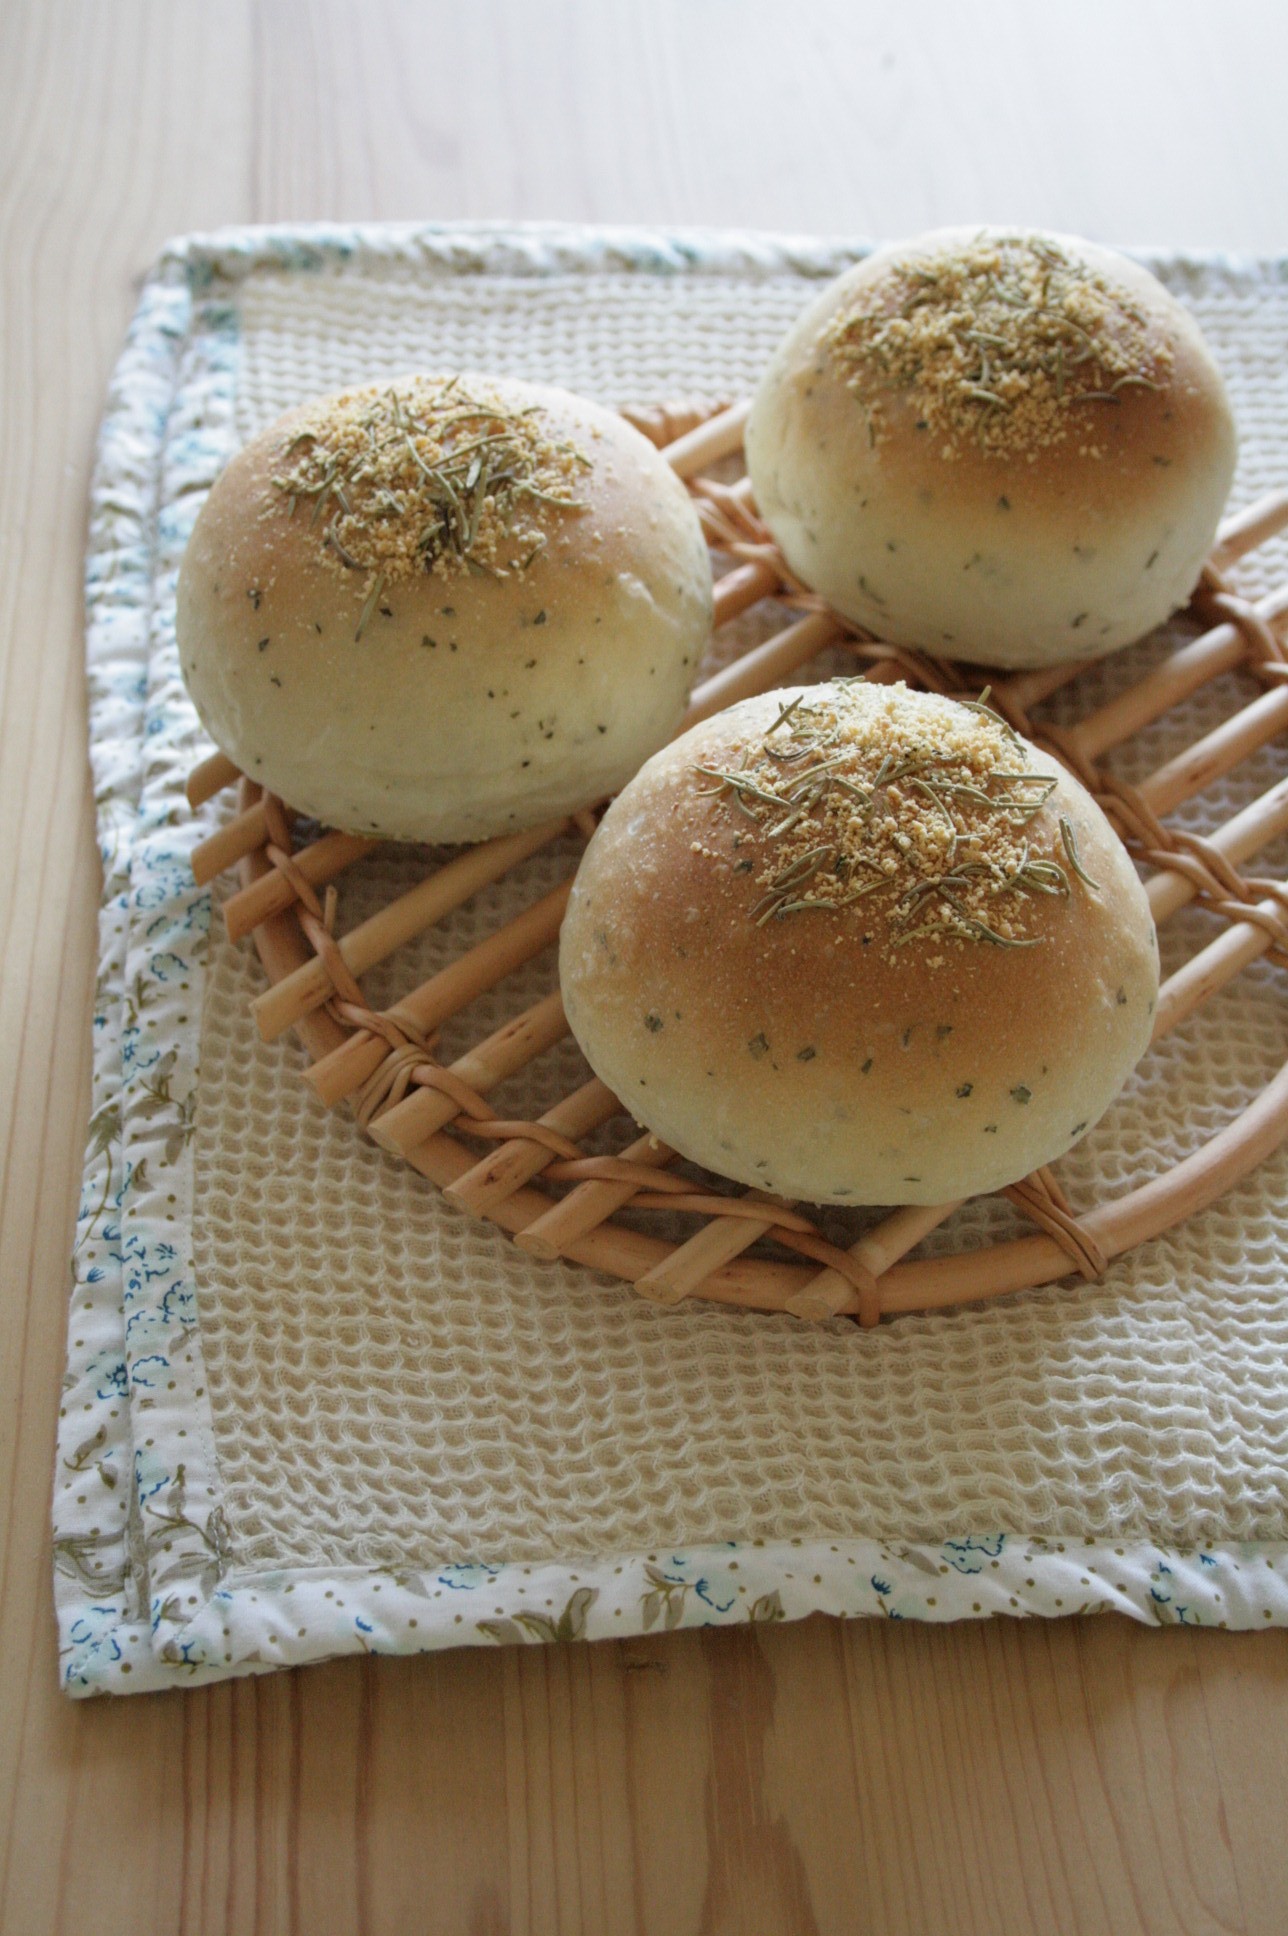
pixel 311 1408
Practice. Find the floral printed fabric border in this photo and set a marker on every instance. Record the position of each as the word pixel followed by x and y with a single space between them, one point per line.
pixel 146 1594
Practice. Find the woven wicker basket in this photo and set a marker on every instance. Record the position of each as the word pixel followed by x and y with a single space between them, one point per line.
pixel 537 1181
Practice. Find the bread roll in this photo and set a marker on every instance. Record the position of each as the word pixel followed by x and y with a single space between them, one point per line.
pixel 444 609
pixel 1006 448
pixel 855 944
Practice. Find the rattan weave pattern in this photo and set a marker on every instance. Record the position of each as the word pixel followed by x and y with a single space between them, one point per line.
pixel 408 1095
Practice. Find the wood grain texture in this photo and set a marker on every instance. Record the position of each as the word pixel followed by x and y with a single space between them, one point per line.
pixel 1078 1777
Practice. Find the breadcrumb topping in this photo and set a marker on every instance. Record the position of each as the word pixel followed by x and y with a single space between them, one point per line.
pixel 928 809
pixel 430 474
pixel 1007 343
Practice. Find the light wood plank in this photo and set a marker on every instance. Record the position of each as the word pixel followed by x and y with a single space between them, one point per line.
pixel 1128 120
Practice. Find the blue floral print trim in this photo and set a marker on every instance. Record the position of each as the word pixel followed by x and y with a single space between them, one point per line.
pixel 257 1622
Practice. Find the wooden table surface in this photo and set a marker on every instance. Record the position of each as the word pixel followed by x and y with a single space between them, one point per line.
pixel 992 1778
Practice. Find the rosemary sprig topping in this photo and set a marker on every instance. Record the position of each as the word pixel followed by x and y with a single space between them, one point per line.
pixel 428 475
pixel 1070 840
pixel 854 791
pixel 995 342
pixel 981 705
pixel 369 606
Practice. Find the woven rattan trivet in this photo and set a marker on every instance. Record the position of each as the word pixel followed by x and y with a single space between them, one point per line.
pixel 539 1179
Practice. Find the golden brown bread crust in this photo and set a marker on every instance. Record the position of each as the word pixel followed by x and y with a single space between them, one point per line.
pixel 1058 549
pixel 471 704
pixel 815 1054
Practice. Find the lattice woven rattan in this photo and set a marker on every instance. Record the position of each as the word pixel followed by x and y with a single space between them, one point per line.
pixel 538 1181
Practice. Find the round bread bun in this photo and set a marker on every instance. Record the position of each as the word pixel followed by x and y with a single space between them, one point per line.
pixel 1006 448
pixel 444 608
pixel 757 958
